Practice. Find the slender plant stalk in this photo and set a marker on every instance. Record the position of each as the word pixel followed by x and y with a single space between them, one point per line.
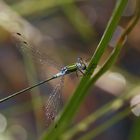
pixel 111 60
pixel 93 133
pixel 73 105
pixel 84 124
pixel 78 20
pixel 32 7
pixel 109 107
pixel 119 45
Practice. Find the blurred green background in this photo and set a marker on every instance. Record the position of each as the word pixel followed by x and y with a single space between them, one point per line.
pixel 61 31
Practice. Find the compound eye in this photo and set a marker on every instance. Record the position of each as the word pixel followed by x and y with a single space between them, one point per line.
pixel 83 66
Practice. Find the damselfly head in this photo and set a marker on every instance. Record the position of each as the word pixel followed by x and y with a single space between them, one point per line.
pixel 81 64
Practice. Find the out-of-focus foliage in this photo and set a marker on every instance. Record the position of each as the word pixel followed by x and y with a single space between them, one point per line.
pixel 61 31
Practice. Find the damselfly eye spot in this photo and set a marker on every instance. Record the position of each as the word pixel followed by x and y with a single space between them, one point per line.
pixel 84 67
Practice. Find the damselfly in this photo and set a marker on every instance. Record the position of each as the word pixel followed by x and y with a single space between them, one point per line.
pixel 51 106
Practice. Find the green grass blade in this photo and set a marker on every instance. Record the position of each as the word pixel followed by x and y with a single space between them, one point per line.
pixel 75 101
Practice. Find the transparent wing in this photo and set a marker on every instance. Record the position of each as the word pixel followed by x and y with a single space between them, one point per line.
pixel 54 103
pixel 37 54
